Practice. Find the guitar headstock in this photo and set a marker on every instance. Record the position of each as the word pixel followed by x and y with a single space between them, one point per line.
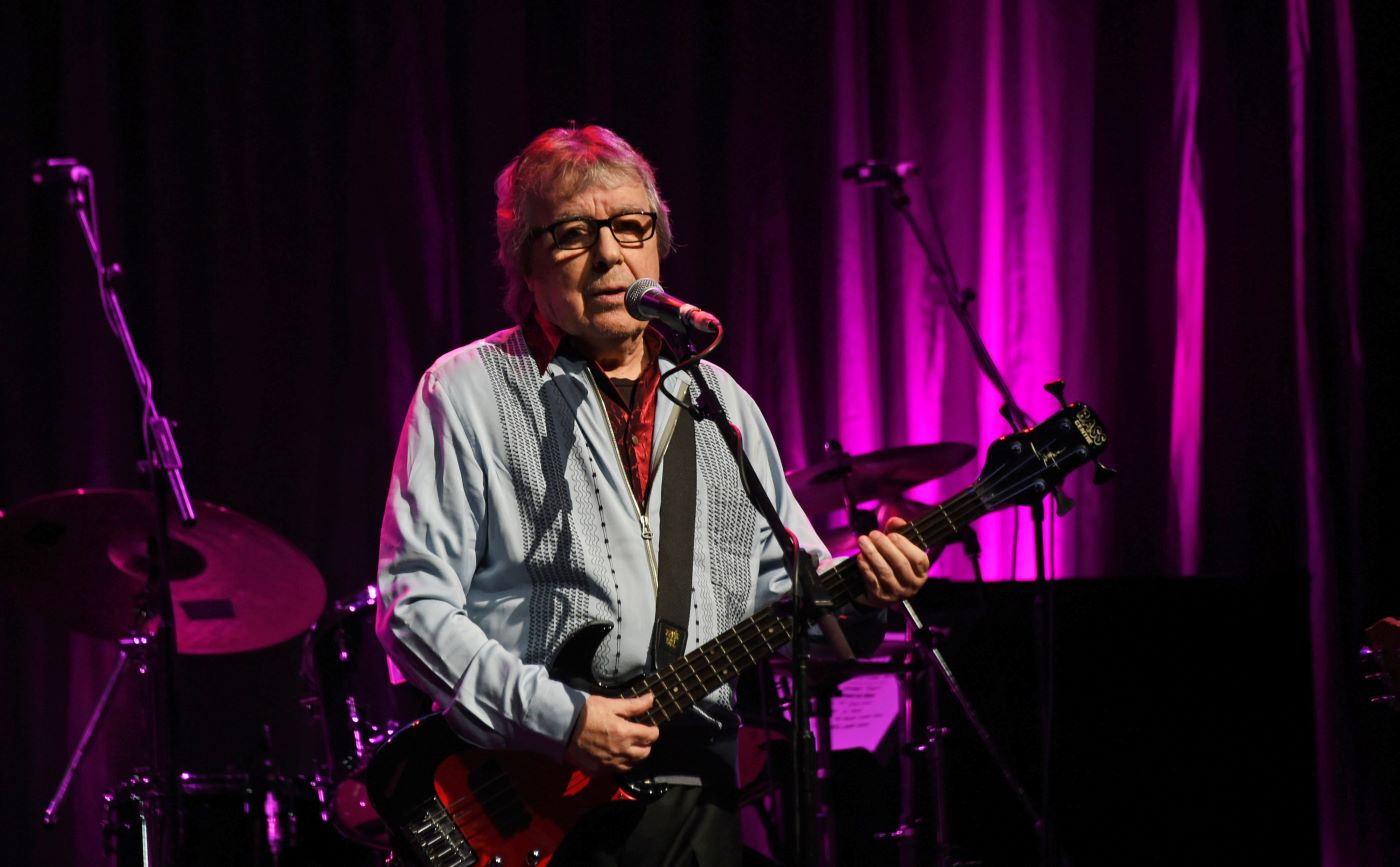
pixel 1023 467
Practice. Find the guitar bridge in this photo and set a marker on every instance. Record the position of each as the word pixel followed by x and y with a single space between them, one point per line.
pixel 435 839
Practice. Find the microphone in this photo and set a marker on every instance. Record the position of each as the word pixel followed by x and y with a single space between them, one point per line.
pixel 63 170
pixel 645 300
pixel 879 172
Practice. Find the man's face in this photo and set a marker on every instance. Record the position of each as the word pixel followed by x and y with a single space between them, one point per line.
pixel 581 291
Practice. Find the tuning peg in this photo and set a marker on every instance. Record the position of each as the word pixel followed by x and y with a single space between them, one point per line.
pixel 1103 474
pixel 1063 503
pixel 1057 391
pixel 1010 417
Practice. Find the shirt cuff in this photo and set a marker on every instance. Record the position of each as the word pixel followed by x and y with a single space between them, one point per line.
pixel 549 720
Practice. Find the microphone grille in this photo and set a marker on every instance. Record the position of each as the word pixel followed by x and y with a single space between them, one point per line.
pixel 632 299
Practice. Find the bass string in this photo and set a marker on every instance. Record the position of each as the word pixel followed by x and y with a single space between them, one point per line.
pixel 944 523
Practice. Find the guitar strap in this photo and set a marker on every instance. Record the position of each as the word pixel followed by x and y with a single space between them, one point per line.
pixel 677 555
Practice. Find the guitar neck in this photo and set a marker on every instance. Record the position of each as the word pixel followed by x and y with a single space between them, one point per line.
pixel 731 653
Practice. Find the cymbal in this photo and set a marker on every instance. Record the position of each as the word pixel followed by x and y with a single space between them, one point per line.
pixel 877 475
pixel 80 557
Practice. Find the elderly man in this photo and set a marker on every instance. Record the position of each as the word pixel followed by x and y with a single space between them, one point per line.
pixel 527 493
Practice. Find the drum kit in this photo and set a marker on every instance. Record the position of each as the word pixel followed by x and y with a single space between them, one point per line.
pixel 81 558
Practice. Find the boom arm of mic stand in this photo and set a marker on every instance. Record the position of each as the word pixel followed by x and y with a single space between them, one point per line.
pixel 162 452
pixel 1013 413
pixel 157 432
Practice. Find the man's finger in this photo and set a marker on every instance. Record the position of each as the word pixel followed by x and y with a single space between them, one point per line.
pixel 874 570
pixel 636 705
pixel 640 733
pixel 875 589
pixel 903 557
pixel 918 560
pixel 873 558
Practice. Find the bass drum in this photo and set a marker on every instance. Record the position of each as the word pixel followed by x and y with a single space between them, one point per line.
pixel 358 705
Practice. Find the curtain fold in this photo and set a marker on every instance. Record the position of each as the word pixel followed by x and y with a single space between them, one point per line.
pixel 1324 157
pixel 1188 360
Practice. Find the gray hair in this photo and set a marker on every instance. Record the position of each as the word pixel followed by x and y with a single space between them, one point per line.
pixel 561 162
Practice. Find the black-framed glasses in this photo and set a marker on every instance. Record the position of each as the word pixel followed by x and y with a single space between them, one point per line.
pixel 580 233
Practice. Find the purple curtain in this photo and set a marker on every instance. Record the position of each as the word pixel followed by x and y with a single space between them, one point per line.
pixel 1163 204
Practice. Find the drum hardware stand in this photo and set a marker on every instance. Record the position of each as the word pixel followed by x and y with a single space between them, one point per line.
pixel 141 794
pixel 162 458
pixel 278 828
pixel 926 640
pixel 912 744
pixel 827 688
pixel 323 779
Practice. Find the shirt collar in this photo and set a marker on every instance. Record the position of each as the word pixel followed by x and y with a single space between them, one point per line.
pixel 547 342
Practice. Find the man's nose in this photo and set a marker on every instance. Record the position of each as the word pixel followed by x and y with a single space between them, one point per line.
pixel 607 253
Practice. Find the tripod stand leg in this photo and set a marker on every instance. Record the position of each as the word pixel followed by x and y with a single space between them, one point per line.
pixel 926 641
pixel 94 720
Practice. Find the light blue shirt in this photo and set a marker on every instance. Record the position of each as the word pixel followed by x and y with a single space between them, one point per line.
pixel 510 523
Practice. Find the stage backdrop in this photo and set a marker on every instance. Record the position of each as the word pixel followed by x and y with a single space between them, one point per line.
pixel 1164 204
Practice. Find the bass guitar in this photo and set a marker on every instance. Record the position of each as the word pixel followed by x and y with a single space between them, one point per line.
pixel 450 805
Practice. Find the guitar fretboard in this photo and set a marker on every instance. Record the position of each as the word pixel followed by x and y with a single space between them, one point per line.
pixel 731 653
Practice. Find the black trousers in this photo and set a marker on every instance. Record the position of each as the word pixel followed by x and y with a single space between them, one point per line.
pixel 688 826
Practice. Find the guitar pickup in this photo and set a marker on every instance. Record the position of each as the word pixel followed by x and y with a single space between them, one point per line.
pixel 497 796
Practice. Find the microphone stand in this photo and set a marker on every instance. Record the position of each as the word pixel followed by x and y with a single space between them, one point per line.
pixel 810 602
pixel 958 301
pixel 155 618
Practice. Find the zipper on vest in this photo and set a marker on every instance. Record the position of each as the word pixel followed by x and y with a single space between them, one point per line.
pixel 641 513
